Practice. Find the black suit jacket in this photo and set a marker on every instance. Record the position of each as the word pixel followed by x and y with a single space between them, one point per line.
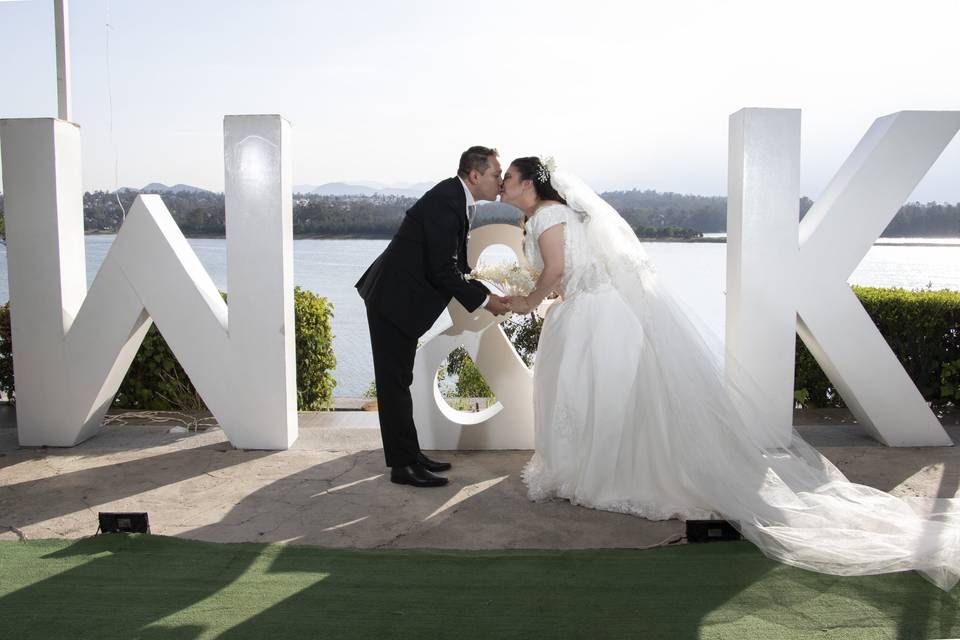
pixel 423 267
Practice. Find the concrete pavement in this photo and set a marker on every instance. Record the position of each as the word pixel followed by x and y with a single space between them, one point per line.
pixel 331 488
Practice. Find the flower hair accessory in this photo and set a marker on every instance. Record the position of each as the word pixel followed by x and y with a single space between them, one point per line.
pixel 547 166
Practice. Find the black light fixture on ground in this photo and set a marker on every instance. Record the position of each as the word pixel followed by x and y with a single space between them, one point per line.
pixel 711 531
pixel 123 522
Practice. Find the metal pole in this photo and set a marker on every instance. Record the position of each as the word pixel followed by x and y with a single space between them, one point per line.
pixel 61 19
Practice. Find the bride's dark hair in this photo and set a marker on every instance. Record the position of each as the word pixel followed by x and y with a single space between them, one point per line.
pixel 532 168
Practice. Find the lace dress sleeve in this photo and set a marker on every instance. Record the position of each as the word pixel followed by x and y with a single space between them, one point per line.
pixel 546 218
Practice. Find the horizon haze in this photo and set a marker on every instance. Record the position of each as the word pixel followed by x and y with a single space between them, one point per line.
pixel 631 96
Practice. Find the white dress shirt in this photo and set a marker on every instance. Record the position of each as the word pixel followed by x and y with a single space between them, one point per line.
pixel 470 203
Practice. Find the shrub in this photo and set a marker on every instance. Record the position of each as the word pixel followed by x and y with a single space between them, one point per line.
pixel 950 382
pixel 524 333
pixel 315 357
pixel 6 352
pixel 155 380
pixel 923 331
pixel 470 382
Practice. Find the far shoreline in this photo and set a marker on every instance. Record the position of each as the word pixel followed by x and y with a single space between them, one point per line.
pixel 886 242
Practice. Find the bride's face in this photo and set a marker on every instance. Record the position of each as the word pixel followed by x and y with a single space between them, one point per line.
pixel 514 190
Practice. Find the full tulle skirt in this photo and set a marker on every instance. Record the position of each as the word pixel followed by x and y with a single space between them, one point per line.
pixel 635 413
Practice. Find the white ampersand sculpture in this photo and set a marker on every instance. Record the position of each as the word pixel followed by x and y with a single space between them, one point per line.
pixel 508 423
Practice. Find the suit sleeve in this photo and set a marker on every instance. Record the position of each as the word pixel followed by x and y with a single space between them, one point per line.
pixel 443 242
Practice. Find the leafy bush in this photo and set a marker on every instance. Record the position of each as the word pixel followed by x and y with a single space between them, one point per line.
pixel 156 381
pixel 923 331
pixel 950 382
pixel 470 382
pixel 6 352
pixel 315 357
pixel 524 333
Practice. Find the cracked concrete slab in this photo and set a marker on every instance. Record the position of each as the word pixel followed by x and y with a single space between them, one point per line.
pixel 331 488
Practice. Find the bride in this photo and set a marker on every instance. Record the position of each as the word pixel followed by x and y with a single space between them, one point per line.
pixel 635 413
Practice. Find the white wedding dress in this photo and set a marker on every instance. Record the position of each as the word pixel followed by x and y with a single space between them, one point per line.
pixel 634 413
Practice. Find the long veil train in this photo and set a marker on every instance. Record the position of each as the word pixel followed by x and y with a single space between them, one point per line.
pixel 791 502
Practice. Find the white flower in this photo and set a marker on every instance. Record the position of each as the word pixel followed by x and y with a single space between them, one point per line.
pixel 508 277
pixel 547 166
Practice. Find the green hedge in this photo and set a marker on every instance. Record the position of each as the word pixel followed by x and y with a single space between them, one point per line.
pixel 156 381
pixel 923 330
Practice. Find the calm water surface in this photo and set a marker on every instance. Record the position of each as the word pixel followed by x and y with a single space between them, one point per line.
pixel 696 272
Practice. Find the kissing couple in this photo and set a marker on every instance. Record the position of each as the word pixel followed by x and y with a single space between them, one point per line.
pixel 633 411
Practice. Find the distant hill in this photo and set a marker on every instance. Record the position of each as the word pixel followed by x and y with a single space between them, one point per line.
pixel 159 187
pixel 364 189
pixel 343 189
pixel 327 189
pixel 406 193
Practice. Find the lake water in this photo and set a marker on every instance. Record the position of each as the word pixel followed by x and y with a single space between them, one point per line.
pixel 695 271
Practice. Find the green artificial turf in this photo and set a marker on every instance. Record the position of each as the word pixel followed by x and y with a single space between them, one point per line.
pixel 141 586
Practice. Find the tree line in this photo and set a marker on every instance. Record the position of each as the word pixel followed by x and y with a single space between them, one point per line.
pixel 650 213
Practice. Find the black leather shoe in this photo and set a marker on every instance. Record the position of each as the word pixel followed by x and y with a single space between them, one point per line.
pixel 416 475
pixel 432 465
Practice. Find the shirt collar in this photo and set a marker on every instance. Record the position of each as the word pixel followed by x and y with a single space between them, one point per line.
pixel 470 201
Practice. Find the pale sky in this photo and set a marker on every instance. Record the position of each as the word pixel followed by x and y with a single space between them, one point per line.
pixel 627 94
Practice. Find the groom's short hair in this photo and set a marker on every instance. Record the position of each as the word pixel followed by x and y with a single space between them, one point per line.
pixel 475 158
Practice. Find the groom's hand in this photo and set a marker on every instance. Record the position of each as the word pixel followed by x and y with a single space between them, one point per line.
pixel 519 305
pixel 497 305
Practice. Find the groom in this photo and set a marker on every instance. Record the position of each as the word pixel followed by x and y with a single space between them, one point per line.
pixel 407 288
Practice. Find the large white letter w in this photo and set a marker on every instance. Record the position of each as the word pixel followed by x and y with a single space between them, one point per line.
pixel 72 348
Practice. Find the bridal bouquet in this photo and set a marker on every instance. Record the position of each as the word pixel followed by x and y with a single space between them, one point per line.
pixel 508 277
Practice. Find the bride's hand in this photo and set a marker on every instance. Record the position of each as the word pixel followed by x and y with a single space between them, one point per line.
pixel 520 305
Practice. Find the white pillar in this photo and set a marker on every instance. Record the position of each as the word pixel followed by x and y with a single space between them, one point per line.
pixel 61 18
pixel 259 199
pixel 762 221
pixel 43 201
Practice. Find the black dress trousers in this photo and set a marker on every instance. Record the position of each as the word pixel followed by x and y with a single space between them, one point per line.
pixel 393 356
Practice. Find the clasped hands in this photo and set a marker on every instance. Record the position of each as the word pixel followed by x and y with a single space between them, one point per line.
pixel 499 305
